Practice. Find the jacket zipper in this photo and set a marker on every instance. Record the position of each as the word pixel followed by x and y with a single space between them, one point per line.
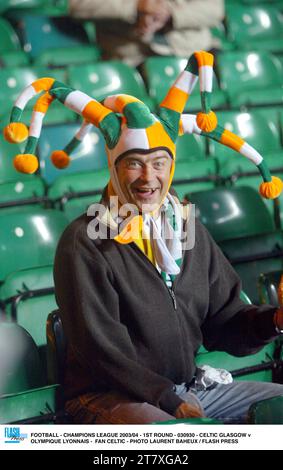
pixel 171 292
pixel 173 297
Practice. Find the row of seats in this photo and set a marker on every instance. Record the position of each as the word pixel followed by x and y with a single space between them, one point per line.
pixel 252 27
pixel 245 79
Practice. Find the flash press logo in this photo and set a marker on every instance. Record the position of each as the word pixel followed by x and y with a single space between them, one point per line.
pixel 13 435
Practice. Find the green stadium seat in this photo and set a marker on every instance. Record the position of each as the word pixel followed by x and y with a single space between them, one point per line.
pixel 9 40
pixel 259 128
pixel 258 366
pixel 28 296
pixel 89 156
pixel 48 7
pixel 25 192
pixel 253 255
pixel 241 172
pixel 160 73
pixel 195 176
pixel 251 78
pixel 35 406
pixel 7 153
pixel 108 78
pixel 14 59
pixel 268 284
pixel 22 4
pixel 20 367
pixel 28 237
pixel 255 27
pixel 75 193
pixel 261 366
pixel 63 56
pixel 13 80
pixel 190 147
pixel 268 411
pixel 230 213
pixel 38 32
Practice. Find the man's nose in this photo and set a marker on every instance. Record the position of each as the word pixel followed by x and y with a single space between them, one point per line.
pixel 147 172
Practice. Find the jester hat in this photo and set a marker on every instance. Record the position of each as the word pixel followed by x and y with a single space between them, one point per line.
pixel 128 125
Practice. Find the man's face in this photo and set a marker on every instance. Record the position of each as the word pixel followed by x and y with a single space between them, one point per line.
pixel 144 179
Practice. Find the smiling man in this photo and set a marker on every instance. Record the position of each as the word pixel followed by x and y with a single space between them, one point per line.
pixel 137 306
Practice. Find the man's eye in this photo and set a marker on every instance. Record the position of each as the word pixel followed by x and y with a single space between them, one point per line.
pixel 158 164
pixel 133 164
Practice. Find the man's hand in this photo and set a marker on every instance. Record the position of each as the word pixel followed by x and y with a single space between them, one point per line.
pixel 152 16
pixel 185 410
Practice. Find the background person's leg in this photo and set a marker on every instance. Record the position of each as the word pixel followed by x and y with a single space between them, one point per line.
pixel 113 408
pixel 230 403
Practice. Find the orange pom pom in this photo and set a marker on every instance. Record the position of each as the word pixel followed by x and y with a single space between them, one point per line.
pixel 60 159
pixel 271 189
pixel 15 132
pixel 26 163
pixel 207 122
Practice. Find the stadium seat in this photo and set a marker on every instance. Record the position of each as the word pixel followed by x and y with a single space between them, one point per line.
pixel 20 367
pixel 265 365
pixel 160 73
pixel 14 59
pixel 28 237
pixel 259 128
pixel 61 57
pixel 108 78
pixel 229 213
pixel 251 78
pixel 195 176
pixel 28 297
pixel 25 192
pixel 7 153
pixel 38 32
pixel 268 411
pixel 89 156
pixel 258 366
pixel 253 255
pixel 256 27
pixel 35 406
pixel 9 40
pixel 75 193
pixel 13 80
pixel 190 147
pixel 23 398
pixel 10 4
pixel 268 285
pixel 241 172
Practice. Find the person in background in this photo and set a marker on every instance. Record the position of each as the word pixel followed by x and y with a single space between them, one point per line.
pixel 131 30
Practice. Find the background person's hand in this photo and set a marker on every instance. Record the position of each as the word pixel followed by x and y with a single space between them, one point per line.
pixel 185 410
pixel 152 16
